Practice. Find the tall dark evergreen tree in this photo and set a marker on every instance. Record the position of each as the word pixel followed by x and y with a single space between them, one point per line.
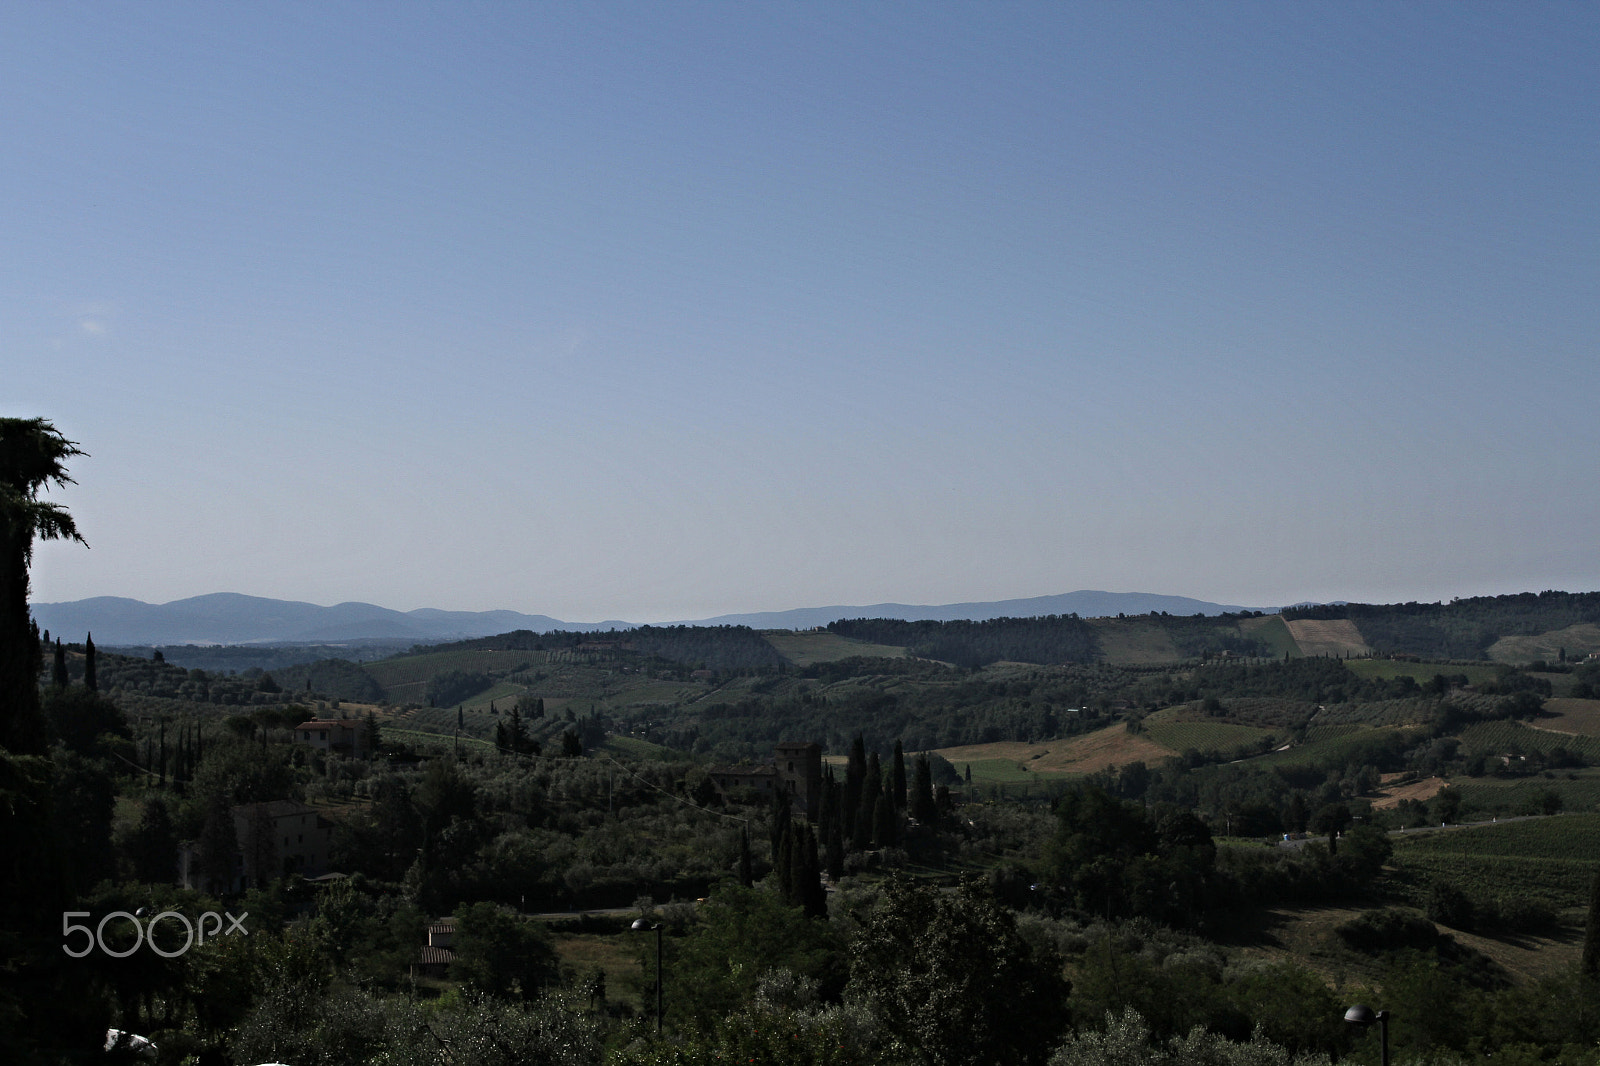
pixel 782 815
pixel 219 844
pixel 883 823
pixel 898 780
pixel 809 892
pixel 831 829
pixel 90 680
pixel 516 735
pixel 1589 966
pixel 58 671
pixel 835 850
pixel 871 790
pixel 922 808
pixel 855 773
pixel 783 865
pixel 747 872
pixel 827 805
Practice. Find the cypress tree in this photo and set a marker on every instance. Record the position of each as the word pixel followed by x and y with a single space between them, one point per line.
pixel 810 893
pixel 747 873
pixel 826 805
pixel 1589 966
pixel 871 792
pixel 781 817
pixel 783 863
pixel 883 827
pixel 898 779
pixel 835 844
pixel 90 681
pixel 58 670
pixel 515 734
pixel 854 774
pixel 922 808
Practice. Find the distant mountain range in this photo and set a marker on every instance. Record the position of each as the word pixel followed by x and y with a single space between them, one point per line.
pixel 231 618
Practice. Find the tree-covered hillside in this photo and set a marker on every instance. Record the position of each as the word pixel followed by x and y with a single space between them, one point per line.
pixel 1462 628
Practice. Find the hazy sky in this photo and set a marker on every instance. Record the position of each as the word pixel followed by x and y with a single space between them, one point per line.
pixel 657 311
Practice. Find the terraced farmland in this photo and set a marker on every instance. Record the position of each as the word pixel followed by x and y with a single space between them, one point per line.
pixel 1333 750
pixel 1579 790
pixel 1502 738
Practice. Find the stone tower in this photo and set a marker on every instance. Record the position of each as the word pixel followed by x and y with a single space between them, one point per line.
pixel 799 766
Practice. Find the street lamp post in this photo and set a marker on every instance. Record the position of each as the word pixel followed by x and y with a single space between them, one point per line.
pixel 644 925
pixel 1362 1015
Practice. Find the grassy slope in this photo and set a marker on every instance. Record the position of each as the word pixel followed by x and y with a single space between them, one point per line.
pixel 1113 745
pixel 1125 641
pixel 1578 640
pixel 1272 631
pixel 1579 791
pixel 1389 669
pixel 1205 736
pixel 1305 935
pixel 1549 859
pixel 803 649
pixel 1336 637
pixel 1577 717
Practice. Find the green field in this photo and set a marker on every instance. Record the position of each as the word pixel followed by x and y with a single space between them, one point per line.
pixel 1134 640
pixel 1272 632
pixel 1579 791
pixel 445 737
pixel 1502 738
pixel 1000 772
pixel 1389 669
pixel 417 669
pixel 635 748
pixel 1548 859
pixel 1415 710
pixel 1207 736
pixel 1006 778
pixel 803 649
pixel 1319 730
pixel 1334 750
pixel 1576 640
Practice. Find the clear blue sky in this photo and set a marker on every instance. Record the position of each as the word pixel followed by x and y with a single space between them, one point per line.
pixel 657 311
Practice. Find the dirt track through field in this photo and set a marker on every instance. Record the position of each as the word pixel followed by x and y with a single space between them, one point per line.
pixel 1573 717
pixel 1423 790
pixel 1111 746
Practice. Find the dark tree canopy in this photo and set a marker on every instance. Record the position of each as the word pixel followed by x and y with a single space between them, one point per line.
pixel 951 978
pixel 33 456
